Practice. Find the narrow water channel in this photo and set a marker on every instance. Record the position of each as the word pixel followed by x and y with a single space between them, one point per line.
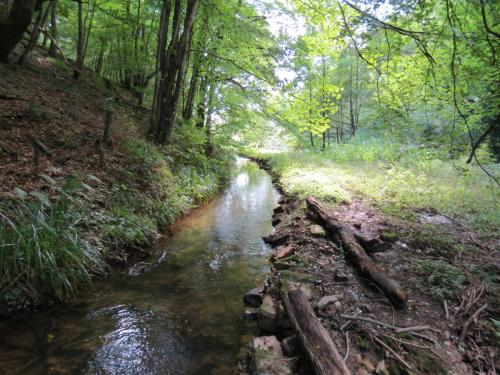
pixel 182 316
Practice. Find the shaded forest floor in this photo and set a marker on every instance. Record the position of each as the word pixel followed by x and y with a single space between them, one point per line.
pixel 450 272
pixel 83 199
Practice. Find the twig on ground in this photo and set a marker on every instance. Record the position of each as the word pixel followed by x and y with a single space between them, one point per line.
pixel 446 311
pixel 347 346
pixel 383 324
pixel 406 342
pixel 415 329
pixel 390 350
pixel 466 325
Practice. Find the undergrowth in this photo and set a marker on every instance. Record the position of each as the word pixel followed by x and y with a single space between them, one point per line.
pixel 51 248
pixel 401 179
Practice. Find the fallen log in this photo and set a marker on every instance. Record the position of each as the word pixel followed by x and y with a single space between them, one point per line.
pixel 356 254
pixel 314 338
pixel 284 252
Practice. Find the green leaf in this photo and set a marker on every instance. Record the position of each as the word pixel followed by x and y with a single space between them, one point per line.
pixel 42 197
pixel 21 193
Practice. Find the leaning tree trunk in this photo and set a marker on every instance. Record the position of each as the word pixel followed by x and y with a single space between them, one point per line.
pixel 15 24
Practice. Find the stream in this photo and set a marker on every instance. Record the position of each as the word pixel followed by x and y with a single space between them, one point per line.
pixel 181 316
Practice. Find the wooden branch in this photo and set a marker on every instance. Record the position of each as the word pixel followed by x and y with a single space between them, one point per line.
pixel 466 325
pixel 314 338
pixel 390 350
pixel 356 254
pixel 37 145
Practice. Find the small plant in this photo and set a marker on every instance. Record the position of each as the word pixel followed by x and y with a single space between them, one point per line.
pixel 36 112
pixel 440 279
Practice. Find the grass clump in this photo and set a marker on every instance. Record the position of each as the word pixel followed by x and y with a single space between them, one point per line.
pixel 43 253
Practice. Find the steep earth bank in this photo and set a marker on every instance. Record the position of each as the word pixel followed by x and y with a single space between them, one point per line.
pixel 81 187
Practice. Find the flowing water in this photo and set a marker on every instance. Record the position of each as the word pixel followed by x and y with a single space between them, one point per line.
pixel 181 316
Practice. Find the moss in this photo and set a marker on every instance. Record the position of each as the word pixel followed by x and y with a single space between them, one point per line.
pixel 428 363
pixel 389 236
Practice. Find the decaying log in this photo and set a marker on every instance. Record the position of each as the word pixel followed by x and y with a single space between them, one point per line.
pixel 284 252
pixel 314 338
pixel 356 254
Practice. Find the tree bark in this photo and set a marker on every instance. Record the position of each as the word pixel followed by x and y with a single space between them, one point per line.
pixel 357 256
pixel 174 72
pixel 79 42
pixel 314 338
pixel 187 114
pixel 39 22
pixel 53 30
pixel 13 28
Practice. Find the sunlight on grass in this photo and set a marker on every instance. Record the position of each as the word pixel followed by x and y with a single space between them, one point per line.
pixel 415 181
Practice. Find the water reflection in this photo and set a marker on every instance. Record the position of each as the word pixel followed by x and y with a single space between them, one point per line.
pixel 181 317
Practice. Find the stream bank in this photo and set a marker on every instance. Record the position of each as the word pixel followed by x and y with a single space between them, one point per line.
pixel 424 336
pixel 180 314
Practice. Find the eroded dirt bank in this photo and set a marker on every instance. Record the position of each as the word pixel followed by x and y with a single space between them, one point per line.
pixel 446 323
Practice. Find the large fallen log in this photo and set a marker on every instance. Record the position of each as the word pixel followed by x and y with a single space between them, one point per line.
pixel 356 254
pixel 314 338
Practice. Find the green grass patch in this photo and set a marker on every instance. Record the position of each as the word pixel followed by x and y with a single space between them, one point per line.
pixel 400 180
pixel 51 249
pixel 440 279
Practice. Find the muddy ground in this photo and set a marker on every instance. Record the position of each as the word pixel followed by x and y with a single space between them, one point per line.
pixel 449 324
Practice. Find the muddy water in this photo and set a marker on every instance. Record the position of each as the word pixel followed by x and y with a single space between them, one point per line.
pixel 182 316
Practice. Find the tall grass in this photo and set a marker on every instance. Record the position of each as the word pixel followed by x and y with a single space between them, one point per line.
pixel 43 254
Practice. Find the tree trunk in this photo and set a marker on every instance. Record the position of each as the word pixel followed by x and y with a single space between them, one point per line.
pixel 314 338
pixel 174 74
pixel 160 63
pixel 79 42
pixel 187 114
pixel 13 28
pixel 100 58
pixel 208 126
pixel 39 22
pixel 53 29
pixel 356 255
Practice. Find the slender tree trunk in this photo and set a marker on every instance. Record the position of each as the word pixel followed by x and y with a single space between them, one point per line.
pixel 53 29
pixel 201 109
pixel 100 57
pixel 208 126
pixel 79 42
pixel 160 63
pixel 187 114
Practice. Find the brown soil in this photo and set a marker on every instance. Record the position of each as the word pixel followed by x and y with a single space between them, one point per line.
pixel 42 102
pixel 372 345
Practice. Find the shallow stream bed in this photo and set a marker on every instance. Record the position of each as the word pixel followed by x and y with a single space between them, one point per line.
pixel 180 316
